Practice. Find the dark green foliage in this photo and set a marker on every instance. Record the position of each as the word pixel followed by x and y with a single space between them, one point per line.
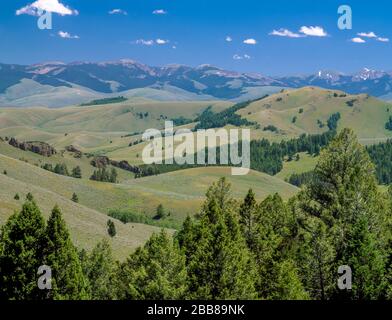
pixel 155 272
pixel 381 155
pixel 388 125
pixel 68 281
pixel 76 172
pixel 103 175
pixel 350 103
pixel 16 197
pixel 181 121
pixel 111 228
pixel 208 119
pixel 345 217
pixel 271 128
pixel 21 254
pixel 61 169
pixel 29 197
pixel 5 172
pixel 160 214
pixel 75 197
pixel 300 179
pixel 332 122
pixel 301 110
pixel 218 262
pixel 101 271
pixel 294 120
pixel 104 101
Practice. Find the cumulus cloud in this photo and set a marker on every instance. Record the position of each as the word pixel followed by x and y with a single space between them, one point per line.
pixel 250 41
pixel 229 39
pixel 383 39
pixel 357 40
pixel 67 35
pixel 118 11
pixel 313 31
pixel 285 33
pixel 161 41
pixel 53 6
pixel 159 11
pixel 241 57
pixel 370 34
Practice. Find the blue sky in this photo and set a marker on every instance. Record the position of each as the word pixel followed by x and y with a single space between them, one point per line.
pixel 193 32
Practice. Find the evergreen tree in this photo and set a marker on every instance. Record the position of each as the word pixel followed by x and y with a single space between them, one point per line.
pixel 160 214
pixel 16 197
pixel 156 271
pixel 221 266
pixel 77 172
pixel 343 195
pixel 21 244
pixel 68 281
pixel 29 197
pixel 248 219
pixel 100 269
pixel 111 228
pixel 75 197
pixel 278 274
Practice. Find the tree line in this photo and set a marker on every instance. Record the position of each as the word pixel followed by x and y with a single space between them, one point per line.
pixel 231 249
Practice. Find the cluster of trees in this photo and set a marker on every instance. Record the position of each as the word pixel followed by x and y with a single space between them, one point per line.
pixel 209 119
pixel 62 169
pixel 388 125
pixel 230 250
pixel 332 122
pixel 105 101
pixel 104 175
pixel 381 155
pixel 301 179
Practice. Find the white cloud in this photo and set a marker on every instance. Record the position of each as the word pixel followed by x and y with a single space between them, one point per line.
pixel 159 11
pixel 241 57
pixel 250 41
pixel 383 39
pixel 118 11
pixel 370 34
pixel 313 31
pixel 285 33
pixel 161 41
pixel 67 35
pixel 229 39
pixel 53 6
pixel 357 40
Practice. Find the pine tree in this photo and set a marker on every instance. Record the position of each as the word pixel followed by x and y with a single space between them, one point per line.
pixel 21 244
pixel 156 271
pixel 68 281
pixel 344 196
pixel 248 219
pixel 100 269
pixel 221 266
pixel 111 228
pixel 160 214
pixel 272 249
pixel 75 197
pixel 77 172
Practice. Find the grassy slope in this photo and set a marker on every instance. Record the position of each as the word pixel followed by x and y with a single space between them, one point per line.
pixel 87 226
pixel 367 117
pixel 180 192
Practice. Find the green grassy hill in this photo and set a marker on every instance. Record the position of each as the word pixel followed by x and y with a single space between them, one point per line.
pixel 311 106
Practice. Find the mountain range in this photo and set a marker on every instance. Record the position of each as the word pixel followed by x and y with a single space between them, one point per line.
pixel 57 84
